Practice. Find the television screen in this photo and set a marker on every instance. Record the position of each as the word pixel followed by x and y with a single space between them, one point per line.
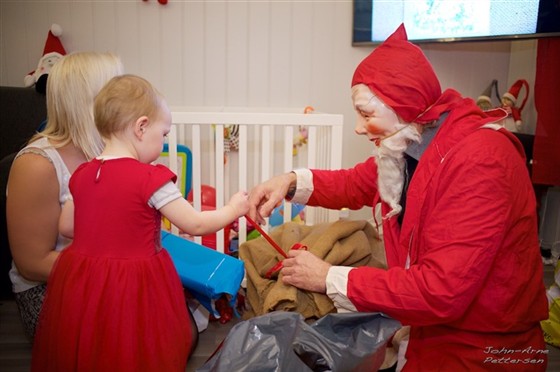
pixel 455 20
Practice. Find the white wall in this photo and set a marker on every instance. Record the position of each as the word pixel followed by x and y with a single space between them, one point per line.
pixel 241 53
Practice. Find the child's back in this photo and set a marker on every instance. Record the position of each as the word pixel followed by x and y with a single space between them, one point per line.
pixel 115 301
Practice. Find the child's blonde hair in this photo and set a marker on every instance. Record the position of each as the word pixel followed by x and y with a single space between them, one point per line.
pixel 122 101
pixel 72 85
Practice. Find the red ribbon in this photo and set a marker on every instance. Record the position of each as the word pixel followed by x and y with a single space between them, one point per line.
pixel 265 235
pixel 279 265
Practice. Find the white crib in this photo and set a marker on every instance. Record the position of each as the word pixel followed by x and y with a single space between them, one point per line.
pixel 266 148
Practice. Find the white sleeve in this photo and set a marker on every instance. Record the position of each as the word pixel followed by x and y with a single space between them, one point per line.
pixel 304 187
pixel 337 282
pixel 165 194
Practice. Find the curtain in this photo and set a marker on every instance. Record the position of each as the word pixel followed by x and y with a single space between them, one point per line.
pixel 546 150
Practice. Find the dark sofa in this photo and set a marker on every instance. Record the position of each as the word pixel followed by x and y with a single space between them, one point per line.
pixel 22 110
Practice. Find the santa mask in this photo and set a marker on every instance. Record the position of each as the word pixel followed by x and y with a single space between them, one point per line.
pixel 381 125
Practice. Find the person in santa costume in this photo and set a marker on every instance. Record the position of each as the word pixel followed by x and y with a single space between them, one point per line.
pixel 458 217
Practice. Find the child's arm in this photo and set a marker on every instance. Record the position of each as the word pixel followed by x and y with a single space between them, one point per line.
pixel 66 220
pixel 182 214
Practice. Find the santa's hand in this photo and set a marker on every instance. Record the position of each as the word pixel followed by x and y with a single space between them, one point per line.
pixel 268 195
pixel 304 270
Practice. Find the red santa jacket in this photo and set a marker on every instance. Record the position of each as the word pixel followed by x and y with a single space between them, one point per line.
pixel 474 292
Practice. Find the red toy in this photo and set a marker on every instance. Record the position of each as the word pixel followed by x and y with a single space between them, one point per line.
pixel 509 103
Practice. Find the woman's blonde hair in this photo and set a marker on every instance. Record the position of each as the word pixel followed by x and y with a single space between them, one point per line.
pixel 72 85
pixel 122 101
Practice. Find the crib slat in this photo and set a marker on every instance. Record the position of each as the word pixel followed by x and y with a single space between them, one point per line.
pixel 288 164
pixel 219 166
pixel 242 171
pixel 335 159
pixel 266 149
pixel 196 172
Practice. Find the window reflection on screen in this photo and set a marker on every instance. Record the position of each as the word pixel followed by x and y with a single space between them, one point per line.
pixel 437 19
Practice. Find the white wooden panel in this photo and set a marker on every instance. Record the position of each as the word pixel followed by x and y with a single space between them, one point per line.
pixel 37 33
pixel 301 63
pixel 15 40
pixel 236 54
pixel 322 51
pixel 62 13
pixel 193 53
pixel 170 61
pixel 280 53
pixel 127 29
pixel 104 23
pixel 215 53
pixel 81 25
pixel 259 46
pixel 149 32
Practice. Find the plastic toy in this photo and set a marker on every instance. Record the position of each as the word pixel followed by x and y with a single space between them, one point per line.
pixel 277 216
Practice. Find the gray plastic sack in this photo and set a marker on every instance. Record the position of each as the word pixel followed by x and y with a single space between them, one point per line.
pixel 283 341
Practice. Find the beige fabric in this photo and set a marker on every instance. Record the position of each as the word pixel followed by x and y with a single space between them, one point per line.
pixel 344 243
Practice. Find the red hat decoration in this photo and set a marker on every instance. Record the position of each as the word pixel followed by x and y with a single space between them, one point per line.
pixel 52 53
pixel 486 95
pixel 513 93
pixel 53 43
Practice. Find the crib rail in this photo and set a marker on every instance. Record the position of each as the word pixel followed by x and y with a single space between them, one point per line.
pixel 266 148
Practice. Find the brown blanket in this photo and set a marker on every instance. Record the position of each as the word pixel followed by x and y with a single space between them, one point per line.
pixel 341 243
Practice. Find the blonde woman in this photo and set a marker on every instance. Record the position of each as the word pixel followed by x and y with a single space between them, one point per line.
pixel 38 180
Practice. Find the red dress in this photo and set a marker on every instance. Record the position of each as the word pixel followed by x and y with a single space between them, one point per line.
pixel 114 300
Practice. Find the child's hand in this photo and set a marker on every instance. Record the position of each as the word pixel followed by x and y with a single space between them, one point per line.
pixel 240 203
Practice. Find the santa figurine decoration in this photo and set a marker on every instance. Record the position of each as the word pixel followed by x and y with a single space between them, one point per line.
pixel 484 101
pixel 510 99
pixel 52 53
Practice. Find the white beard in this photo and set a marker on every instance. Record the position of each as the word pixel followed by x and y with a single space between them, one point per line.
pixel 391 164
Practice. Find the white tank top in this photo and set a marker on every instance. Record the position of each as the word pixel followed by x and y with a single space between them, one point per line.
pixel 43 147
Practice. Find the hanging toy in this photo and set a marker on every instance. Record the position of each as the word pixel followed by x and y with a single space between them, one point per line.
pixel 300 138
pixel 231 133
pixel 231 139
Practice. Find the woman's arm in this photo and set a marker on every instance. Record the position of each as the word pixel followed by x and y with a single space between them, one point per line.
pixel 66 220
pixel 32 213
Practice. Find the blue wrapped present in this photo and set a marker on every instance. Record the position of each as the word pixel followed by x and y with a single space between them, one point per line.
pixel 206 273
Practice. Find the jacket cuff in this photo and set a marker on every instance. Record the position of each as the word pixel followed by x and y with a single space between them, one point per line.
pixel 337 283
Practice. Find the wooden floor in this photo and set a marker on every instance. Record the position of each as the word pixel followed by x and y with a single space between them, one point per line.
pixel 15 350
